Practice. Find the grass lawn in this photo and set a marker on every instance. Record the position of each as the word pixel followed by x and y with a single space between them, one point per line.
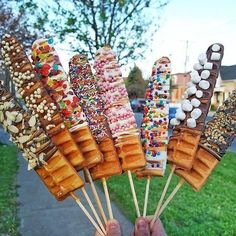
pixel 8 193
pixel 211 212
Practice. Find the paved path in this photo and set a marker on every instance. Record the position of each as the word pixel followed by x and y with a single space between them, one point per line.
pixel 41 215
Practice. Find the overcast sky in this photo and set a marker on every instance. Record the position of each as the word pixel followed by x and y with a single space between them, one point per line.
pixel 200 22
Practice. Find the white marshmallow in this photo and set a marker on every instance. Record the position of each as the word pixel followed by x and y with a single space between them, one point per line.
pixel 199 94
pixel 180 115
pixel 185 94
pixel 195 102
pixel 191 90
pixel 195 78
pixel 215 48
pixel 205 74
pixel 208 66
pixel 174 122
pixel 204 84
pixel 191 123
pixel 190 84
pixel 215 56
pixel 196 113
pixel 197 66
pixel 202 58
pixel 186 106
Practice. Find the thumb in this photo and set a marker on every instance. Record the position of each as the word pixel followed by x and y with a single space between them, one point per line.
pixel 113 228
pixel 141 227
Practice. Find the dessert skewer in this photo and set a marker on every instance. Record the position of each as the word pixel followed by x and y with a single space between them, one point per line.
pixel 120 116
pixel 217 137
pixel 154 128
pixel 190 119
pixel 85 87
pixel 37 149
pixel 39 103
pixel 54 79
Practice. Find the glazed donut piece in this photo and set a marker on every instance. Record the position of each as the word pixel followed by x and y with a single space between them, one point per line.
pixel 190 119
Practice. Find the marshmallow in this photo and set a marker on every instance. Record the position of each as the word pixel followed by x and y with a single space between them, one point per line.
pixel 197 66
pixel 191 90
pixel 180 115
pixel 202 58
pixel 204 84
pixel 174 122
pixel 191 123
pixel 208 66
pixel 186 105
pixel 185 94
pixel 195 102
pixel 215 48
pixel 215 56
pixel 205 74
pixel 196 113
pixel 195 78
pixel 199 94
pixel 190 84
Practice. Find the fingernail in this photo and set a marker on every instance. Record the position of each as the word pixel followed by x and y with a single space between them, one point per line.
pixel 112 226
pixel 142 225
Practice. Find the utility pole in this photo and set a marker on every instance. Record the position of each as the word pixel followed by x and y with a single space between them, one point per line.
pixel 186 57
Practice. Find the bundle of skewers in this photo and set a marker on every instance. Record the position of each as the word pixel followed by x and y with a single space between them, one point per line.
pixel 84 121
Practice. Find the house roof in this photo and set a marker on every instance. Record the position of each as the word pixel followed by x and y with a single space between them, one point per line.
pixel 228 72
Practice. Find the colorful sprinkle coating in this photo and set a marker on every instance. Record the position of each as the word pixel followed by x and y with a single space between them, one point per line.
pixel 154 128
pixel 85 87
pixel 51 73
pixel 113 92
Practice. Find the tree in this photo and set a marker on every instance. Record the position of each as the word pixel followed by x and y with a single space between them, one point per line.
pixel 135 83
pixel 125 25
pixel 11 19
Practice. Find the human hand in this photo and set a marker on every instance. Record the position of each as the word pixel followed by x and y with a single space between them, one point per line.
pixel 112 229
pixel 142 228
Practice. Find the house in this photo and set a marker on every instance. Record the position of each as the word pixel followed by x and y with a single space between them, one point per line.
pixel 178 86
pixel 225 84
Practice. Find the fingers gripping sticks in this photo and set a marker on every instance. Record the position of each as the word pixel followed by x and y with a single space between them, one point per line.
pixel 118 110
pixel 154 129
pixel 54 78
pixel 37 99
pixel 218 135
pixel 40 153
pixel 189 121
pixel 85 87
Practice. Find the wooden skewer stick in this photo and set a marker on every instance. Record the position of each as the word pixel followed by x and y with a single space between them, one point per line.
pixel 93 209
pixel 163 195
pixel 133 193
pixel 104 183
pixel 181 182
pixel 146 196
pixel 76 198
pixel 95 194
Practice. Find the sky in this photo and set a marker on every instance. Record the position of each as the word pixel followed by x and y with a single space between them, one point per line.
pixel 197 24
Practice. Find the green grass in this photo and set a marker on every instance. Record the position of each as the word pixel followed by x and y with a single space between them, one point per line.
pixel 8 193
pixel 211 212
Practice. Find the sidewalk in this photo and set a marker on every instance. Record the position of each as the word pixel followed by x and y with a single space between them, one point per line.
pixel 40 214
